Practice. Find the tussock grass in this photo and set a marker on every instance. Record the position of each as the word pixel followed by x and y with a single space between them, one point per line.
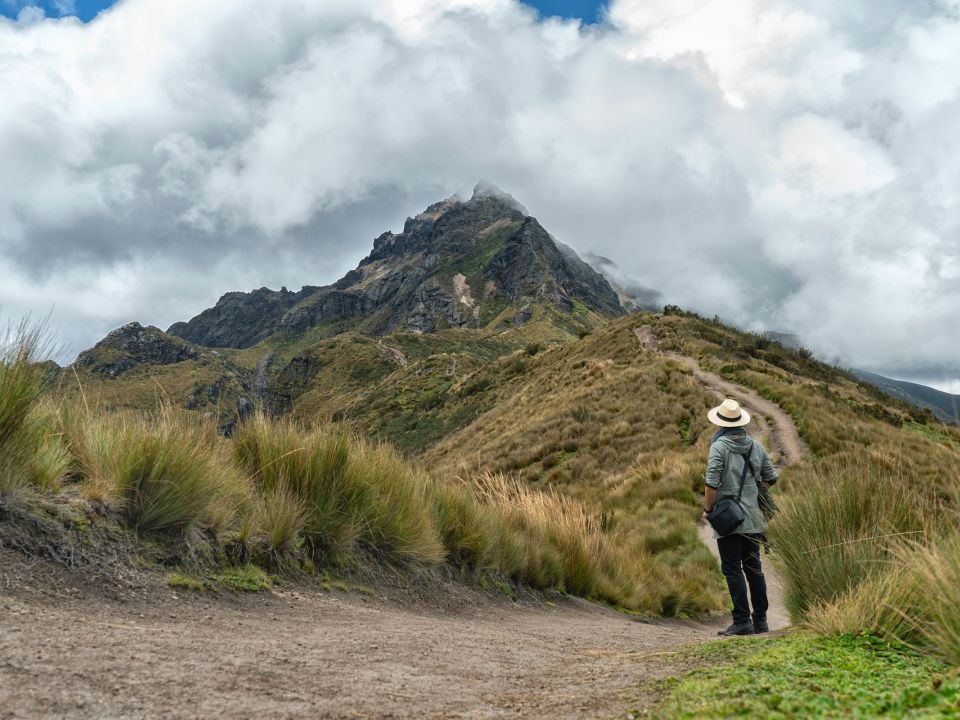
pixel 913 599
pixel 293 497
pixel 879 605
pixel 555 542
pixel 838 526
pixel 333 492
pixel 339 491
pixel 289 497
pixel 31 451
pixel 165 471
pixel 932 613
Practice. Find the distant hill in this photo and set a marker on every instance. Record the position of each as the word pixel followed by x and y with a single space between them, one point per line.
pixel 942 404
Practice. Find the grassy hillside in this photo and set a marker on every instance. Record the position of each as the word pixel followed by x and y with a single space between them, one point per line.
pixel 287 498
pixel 619 427
pixel 327 372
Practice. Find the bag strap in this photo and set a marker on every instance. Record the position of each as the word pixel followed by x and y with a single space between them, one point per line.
pixel 743 475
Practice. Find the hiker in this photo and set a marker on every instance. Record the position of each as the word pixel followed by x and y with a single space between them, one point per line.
pixel 737 467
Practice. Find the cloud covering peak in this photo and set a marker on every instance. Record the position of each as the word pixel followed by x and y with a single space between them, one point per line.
pixel 785 164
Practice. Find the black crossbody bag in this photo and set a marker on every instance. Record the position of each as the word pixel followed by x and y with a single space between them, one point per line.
pixel 727 513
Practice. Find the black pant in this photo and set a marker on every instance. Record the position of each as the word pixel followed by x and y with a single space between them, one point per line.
pixel 739 555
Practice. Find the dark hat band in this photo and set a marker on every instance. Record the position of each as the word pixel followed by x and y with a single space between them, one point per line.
pixel 729 419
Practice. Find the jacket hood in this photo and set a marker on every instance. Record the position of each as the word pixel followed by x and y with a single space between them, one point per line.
pixel 739 443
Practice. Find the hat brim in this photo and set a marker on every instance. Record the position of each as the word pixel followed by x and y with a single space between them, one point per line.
pixel 715 417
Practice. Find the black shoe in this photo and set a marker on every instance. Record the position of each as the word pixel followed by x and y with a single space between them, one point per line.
pixel 737 629
pixel 760 626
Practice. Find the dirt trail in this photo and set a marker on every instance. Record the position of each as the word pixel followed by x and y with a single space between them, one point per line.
pixel 771 425
pixel 309 654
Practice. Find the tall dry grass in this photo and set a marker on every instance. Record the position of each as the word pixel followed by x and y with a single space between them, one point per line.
pixel 914 599
pixel 933 611
pixel 285 495
pixel 31 450
pixel 345 490
pixel 840 524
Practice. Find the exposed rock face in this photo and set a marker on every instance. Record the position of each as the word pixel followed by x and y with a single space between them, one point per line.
pixel 290 383
pixel 132 345
pixel 457 264
pixel 332 305
pixel 240 319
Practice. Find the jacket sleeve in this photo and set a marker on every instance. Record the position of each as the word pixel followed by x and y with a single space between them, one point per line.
pixel 714 475
pixel 767 473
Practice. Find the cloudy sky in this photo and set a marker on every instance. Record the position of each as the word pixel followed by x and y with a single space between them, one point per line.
pixel 786 164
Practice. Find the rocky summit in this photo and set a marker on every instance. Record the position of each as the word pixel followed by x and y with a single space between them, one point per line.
pixel 458 264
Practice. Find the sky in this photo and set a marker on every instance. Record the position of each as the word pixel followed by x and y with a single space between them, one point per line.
pixel 590 11
pixel 784 164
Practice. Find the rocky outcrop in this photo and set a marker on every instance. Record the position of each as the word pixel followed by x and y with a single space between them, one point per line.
pixel 532 265
pixel 240 319
pixel 291 382
pixel 333 305
pixel 204 395
pixel 132 345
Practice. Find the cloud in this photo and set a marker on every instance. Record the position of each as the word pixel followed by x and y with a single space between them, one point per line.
pixel 785 164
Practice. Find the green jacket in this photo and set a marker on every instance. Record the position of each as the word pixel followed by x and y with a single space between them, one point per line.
pixel 724 467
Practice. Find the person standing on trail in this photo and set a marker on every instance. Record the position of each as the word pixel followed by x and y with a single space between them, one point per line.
pixel 737 466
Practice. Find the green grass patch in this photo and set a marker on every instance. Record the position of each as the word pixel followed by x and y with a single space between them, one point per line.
pixel 330 583
pixel 931 433
pixel 248 578
pixel 809 676
pixel 179 580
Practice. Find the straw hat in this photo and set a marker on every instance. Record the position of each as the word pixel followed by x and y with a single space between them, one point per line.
pixel 729 414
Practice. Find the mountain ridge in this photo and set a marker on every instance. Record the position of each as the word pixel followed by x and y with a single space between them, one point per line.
pixel 465 282
pixel 942 404
pixel 456 264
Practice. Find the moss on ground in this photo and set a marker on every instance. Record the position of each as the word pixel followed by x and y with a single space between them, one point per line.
pixel 802 675
pixel 187 582
pixel 248 578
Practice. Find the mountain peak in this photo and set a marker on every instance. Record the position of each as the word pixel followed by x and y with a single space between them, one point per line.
pixel 456 264
pixel 486 189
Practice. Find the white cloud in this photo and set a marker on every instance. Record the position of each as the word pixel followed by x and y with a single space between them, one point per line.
pixel 783 163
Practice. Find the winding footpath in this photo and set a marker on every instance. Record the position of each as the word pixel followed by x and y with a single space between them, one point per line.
pixel 771 425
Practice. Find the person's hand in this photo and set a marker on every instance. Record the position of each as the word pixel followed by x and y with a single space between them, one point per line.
pixel 705 515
